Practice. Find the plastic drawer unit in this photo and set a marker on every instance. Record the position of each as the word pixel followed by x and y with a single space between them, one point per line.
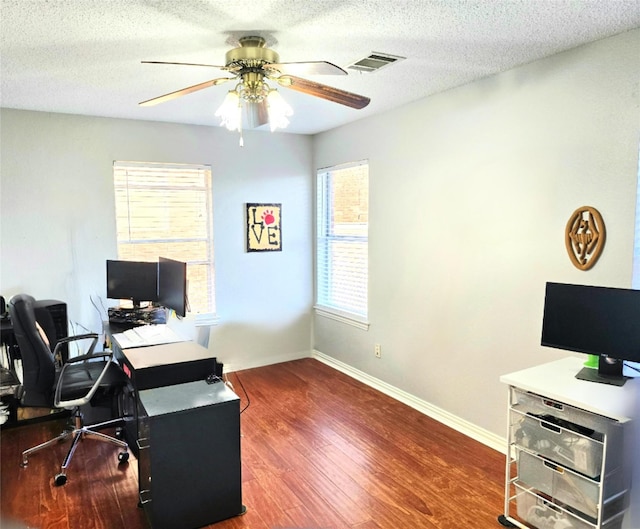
pixel 545 514
pixel 564 467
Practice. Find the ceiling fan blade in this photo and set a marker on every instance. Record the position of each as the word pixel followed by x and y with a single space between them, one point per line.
pixel 183 64
pixel 257 114
pixel 185 91
pixel 323 91
pixel 307 68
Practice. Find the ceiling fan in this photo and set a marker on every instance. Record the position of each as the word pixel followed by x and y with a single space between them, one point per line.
pixel 251 65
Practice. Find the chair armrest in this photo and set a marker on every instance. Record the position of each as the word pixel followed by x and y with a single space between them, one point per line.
pixel 81 358
pixel 78 337
pixel 88 356
pixel 56 351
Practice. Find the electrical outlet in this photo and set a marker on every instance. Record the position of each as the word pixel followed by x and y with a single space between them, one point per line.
pixel 378 350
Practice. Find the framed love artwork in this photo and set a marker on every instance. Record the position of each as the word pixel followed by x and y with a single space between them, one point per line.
pixel 264 227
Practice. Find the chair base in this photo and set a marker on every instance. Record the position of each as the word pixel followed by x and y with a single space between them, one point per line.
pixel 77 434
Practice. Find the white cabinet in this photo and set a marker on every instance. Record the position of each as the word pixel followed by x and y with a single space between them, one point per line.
pixel 568 457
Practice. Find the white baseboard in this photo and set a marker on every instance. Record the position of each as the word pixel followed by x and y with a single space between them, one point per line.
pixel 266 361
pixel 465 427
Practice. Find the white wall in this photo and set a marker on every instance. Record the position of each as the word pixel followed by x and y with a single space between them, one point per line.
pixel 470 192
pixel 58 221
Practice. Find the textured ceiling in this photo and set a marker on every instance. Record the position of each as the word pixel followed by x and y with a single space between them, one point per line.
pixel 84 56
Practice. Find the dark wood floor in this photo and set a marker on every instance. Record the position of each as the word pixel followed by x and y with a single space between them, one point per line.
pixel 319 450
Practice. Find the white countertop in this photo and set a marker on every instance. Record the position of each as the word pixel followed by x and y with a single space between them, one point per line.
pixel 557 381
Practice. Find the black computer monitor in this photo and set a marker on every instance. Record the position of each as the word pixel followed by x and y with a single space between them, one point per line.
pixel 594 320
pixel 134 280
pixel 172 285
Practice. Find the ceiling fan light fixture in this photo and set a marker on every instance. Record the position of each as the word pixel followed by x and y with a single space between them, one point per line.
pixel 230 112
pixel 279 110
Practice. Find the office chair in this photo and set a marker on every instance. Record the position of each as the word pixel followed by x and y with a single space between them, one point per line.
pixel 48 381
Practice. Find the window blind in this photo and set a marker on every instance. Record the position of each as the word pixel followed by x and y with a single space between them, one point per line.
pixel 166 210
pixel 342 231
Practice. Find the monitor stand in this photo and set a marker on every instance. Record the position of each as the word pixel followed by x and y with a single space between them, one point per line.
pixel 609 372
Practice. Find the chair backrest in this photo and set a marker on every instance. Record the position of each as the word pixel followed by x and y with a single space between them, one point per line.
pixel 38 365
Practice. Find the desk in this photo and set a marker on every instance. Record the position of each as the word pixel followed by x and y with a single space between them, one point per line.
pixel 158 366
pixel 185 433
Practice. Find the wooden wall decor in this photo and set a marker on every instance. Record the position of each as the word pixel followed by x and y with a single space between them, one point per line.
pixel 584 237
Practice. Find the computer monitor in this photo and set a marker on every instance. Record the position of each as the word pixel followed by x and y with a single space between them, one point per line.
pixel 172 285
pixel 134 280
pixel 594 320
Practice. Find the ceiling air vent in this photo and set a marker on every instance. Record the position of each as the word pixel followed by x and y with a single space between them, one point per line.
pixel 374 62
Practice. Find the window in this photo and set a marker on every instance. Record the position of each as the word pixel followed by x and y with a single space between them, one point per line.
pixel 165 210
pixel 342 231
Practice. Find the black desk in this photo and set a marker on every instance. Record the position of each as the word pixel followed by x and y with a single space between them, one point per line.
pixel 185 433
pixel 157 366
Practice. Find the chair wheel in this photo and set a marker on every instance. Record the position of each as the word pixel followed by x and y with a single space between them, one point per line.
pixel 60 479
pixel 123 457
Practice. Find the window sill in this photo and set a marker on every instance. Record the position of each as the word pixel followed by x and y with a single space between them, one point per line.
pixel 342 317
